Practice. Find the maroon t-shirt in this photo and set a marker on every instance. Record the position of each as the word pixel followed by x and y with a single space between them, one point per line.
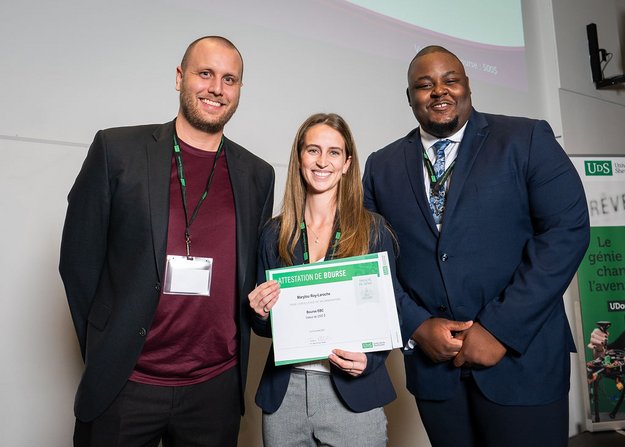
pixel 194 338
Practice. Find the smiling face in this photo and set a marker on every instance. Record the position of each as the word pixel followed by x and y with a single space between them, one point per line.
pixel 439 93
pixel 209 83
pixel 323 159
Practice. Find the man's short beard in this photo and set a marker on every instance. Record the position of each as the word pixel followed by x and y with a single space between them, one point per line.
pixel 442 130
pixel 201 124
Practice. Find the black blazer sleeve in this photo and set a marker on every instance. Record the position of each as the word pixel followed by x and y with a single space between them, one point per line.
pixel 83 245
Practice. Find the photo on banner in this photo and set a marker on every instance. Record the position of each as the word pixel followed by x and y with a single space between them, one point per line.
pixel 601 281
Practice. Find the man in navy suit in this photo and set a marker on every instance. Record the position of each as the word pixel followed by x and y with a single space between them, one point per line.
pixel 491 231
pixel 157 258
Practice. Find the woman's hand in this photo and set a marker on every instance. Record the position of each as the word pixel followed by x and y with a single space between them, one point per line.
pixel 353 363
pixel 264 297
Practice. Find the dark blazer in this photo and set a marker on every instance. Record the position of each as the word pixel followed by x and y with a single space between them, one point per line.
pixel 372 389
pixel 514 232
pixel 114 243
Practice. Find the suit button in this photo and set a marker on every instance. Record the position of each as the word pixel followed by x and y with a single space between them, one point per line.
pixel 142 332
pixel 442 308
pixel 444 257
pixel 157 287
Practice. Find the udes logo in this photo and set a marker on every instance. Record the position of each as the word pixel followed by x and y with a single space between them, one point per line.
pixel 598 167
pixel 616 306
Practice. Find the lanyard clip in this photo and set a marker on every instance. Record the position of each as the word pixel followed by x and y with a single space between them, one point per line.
pixel 187 239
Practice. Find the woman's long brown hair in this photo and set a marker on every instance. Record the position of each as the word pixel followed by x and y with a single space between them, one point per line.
pixel 354 221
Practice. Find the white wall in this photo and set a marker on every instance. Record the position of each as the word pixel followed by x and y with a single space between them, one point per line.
pixel 41 361
pixel 71 67
pixel 592 119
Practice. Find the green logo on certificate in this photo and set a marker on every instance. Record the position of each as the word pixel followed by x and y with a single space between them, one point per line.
pixel 367 345
pixel 598 167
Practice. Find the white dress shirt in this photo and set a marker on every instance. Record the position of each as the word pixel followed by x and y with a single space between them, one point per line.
pixel 451 152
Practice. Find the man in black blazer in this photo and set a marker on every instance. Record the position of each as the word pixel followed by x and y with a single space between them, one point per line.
pixel 157 258
pixel 489 239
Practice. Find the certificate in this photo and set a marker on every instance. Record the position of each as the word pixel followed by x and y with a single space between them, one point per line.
pixel 345 303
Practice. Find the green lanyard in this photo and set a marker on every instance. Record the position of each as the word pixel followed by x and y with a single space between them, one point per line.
pixel 436 183
pixel 183 189
pixel 337 236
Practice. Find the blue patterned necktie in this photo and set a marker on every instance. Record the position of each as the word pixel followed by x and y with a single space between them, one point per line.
pixel 437 196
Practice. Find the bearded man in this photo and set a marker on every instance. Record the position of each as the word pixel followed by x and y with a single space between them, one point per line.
pixel 158 256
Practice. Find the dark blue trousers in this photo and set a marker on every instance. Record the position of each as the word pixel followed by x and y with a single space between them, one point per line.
pixel 471 420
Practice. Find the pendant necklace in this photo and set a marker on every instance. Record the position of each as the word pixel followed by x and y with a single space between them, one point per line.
pixel 316 235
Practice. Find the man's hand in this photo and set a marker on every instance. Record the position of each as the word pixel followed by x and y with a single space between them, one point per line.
pixel 598 342
pixel 598 339
pixel 437 337
pixel 479 348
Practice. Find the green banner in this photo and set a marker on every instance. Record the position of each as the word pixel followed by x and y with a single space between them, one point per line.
pixel 324 274
pixel 601 281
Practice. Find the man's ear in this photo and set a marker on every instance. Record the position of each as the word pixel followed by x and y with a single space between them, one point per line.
pixel 178 78
pixel 408 96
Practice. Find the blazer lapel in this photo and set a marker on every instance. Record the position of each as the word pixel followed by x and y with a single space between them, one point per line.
pixel 240 191
pixel 413 155
pixel 159 152
pixel 470 146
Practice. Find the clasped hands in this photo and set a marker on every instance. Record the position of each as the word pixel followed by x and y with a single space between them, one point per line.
pixel 264 297
pixel 468 343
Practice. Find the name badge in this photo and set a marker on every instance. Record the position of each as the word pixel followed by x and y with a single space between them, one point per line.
pixel 188 275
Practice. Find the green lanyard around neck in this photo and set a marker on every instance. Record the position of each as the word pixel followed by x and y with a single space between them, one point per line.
pixel 436 183
pixel 183 189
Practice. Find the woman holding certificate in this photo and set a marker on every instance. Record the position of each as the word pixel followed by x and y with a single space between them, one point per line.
pixel 337 401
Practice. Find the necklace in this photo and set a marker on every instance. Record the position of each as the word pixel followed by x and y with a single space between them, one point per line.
pixel 316 235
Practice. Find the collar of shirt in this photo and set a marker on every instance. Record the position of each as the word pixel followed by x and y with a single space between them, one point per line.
pixel 451 151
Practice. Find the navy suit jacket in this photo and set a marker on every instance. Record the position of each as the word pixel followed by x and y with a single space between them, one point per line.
pixel 114 247
pixel 514 231
pixel 372 389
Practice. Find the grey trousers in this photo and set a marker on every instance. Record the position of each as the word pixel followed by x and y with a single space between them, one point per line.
pixel 312 415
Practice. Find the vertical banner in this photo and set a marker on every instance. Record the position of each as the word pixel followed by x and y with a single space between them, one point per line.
pixel 601 281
